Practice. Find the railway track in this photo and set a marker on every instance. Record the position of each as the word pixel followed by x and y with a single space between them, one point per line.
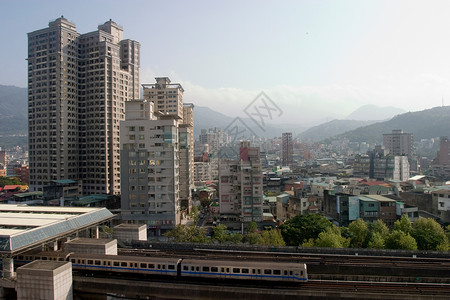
pixel 310 258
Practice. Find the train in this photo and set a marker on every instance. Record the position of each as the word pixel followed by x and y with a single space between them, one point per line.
pixel 177 267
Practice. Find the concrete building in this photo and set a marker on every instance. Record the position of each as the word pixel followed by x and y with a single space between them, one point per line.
pixel 287 148
pixel 202 171
pixel 442 198
pixel 399 143
pixel 241 187
pixel 390 167
pixel 186 154
pixel 157 158
pixel 443 155
pixel 150 167
pixel 45 280
pixel 166 96
pixel 77 88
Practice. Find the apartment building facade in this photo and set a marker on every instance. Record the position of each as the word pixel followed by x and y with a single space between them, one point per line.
pixel 241 186
pixel 157 158
pixel 77 88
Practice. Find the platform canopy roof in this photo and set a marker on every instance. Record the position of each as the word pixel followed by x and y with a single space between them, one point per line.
pixel 23 226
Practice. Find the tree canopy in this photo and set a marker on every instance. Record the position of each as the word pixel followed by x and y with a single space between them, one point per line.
pixel 429 235
pixel 301 228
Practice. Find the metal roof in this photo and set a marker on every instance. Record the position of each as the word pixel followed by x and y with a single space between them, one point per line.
pixel 23 226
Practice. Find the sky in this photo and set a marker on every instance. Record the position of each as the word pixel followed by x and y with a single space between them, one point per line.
pixel 317 60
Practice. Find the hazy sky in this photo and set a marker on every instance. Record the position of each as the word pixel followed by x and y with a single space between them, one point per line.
pixel 314 59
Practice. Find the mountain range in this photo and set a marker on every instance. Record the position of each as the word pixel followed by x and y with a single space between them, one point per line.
pixel 368 123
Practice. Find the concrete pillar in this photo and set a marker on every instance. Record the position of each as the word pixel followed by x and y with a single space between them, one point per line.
pixel 8 267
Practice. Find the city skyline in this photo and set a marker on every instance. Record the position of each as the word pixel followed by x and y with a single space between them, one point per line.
pixel 308 57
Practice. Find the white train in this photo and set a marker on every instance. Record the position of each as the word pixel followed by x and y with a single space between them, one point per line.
pixel 179 267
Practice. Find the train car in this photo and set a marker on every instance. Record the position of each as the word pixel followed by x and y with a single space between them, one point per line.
pixel 287 272
pixel 25 258
pixel 126 264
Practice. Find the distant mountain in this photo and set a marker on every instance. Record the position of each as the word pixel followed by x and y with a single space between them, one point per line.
pixel 373 112
pixel 205 118
pixel 13 110
pixel 332 128
pixel 425 124
pixel 13 116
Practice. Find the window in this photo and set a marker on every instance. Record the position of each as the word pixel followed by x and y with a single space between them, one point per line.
pixel 267 271
pixel 214 269
pixel 205 269
pixel 90 262
pixel 245 271
pixel 123 264
pixel 185 268
pixel 143 265
pixel 171 267
pixel 98 263
pixel 141 128
pixel 276 272
pixel 236 270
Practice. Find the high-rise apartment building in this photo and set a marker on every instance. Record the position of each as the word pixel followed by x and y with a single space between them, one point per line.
pixel 157 157
pixel 150 167
pixel 287 149
pixel 399 143
pixel 241 186
pixel 77 88
pixel 167 99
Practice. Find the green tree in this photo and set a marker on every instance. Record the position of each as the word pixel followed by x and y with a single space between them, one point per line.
pixel 272 237
pixel 194 214
pixel 400 240
pixel 447 232
pixel 235 238
pixel 429 234
pixel 9 181
pixel 301 228
pixel 188 234
pixel 220 233
pixel 332 238
pixel 376 241
pixel 358 231
pixel 253 238
pixel 308 243
pixel 379 227
pixel 251 227
pixel 404 224
pixel 205 202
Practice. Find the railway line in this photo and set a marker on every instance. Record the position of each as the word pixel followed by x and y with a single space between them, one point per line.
pixel 313 289
pixel 310 258
pixel 336 267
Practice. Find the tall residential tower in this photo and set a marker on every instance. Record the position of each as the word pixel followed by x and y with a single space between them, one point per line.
pixel 77 88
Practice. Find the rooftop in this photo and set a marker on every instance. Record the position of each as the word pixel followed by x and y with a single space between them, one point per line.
pixel 23 226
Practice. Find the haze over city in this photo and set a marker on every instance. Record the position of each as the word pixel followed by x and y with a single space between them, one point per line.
pixel 317 60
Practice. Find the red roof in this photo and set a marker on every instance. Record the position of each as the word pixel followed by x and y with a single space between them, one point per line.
pixel 12 187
